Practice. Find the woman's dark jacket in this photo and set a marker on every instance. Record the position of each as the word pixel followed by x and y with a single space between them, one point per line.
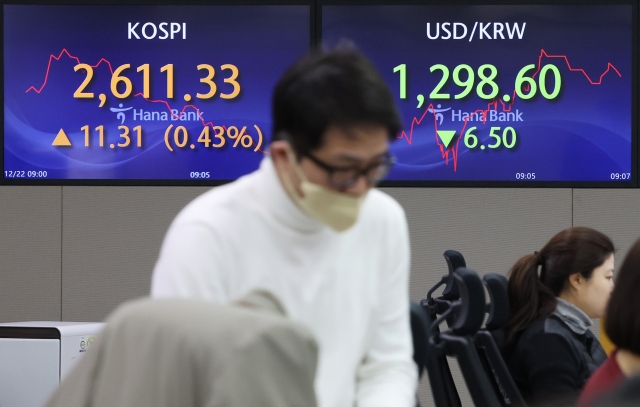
pixel 550 361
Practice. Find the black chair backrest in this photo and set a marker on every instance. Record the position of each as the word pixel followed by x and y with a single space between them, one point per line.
pixel 499 301
pixel 454 260
pixel 420 335
pixel 472 305
pixel 458 339
pixel 462 306
pixel 485 340
pixel 432 358
pixel 498 307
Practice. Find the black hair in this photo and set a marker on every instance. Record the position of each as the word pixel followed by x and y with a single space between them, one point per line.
pixel 622 319
pixel 338 87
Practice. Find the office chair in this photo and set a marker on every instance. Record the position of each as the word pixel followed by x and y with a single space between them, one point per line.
pixel 463 310
pixel 458 339
pixel 432 358
pixel 440 378
pixel 454 260
pixel 487 345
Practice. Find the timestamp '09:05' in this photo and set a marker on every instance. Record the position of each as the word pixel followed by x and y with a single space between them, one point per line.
pixel 25 174
pixel 526 176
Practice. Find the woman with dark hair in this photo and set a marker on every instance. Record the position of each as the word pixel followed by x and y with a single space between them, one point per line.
pixel 553 295
pixel 622 325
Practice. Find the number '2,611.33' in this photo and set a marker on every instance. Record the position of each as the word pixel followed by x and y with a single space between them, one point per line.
pixel 118 81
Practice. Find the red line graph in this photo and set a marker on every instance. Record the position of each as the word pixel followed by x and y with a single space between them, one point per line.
pixel 57 58
pixel 66 52
pixel 572 69
pixel 493 105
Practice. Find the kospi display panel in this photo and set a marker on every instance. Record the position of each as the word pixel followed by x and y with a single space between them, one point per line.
pixel 155 93
pixel 540 94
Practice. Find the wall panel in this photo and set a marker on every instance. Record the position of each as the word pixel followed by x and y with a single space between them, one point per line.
pixel 30 253
pixel 614 212
pixel 111 240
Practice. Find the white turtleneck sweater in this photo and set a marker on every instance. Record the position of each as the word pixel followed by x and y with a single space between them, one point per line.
pixel 350 289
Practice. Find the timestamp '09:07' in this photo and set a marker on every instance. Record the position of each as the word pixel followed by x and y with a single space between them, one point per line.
pixel 621 176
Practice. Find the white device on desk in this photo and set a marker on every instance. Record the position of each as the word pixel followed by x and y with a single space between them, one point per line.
pixel 36 356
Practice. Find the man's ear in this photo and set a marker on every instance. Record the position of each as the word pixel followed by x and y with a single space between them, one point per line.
pixel 278 151
pixel 278 148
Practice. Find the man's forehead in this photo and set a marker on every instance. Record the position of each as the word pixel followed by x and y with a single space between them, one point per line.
pixel 354 131
pixel 356 140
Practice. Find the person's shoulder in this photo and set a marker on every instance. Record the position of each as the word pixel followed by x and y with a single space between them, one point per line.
pixel 602 381
pixel 541 344
pixel 530 332
pixel 219 203
pixel 627 394
pixel 379 205
pixel 554 325
pixel 545 330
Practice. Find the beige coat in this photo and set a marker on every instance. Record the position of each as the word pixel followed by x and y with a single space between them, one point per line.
pixel 185 353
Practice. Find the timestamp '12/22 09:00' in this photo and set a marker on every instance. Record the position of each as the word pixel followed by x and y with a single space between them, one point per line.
pixel 25 174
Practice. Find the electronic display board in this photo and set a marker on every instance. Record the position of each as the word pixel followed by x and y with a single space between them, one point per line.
pixel 121 93
pixel 540 94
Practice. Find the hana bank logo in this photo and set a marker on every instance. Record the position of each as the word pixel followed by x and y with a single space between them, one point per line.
pixel 120 110
pixel 145 115
pixel 438 113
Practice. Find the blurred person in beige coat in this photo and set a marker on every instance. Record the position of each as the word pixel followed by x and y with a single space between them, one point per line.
pixel 186 353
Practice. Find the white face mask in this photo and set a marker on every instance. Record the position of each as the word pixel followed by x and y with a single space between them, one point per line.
pixel 337 210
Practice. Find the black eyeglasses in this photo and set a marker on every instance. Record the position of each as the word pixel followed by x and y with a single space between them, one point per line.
pixel 342 178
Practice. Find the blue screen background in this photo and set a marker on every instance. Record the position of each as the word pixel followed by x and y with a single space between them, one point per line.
pixel 261 41
pixel 583 135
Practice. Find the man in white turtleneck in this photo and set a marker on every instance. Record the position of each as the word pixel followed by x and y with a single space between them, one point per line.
pixel 309 227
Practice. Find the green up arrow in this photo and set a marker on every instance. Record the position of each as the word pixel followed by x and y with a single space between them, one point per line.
pixel 446 136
